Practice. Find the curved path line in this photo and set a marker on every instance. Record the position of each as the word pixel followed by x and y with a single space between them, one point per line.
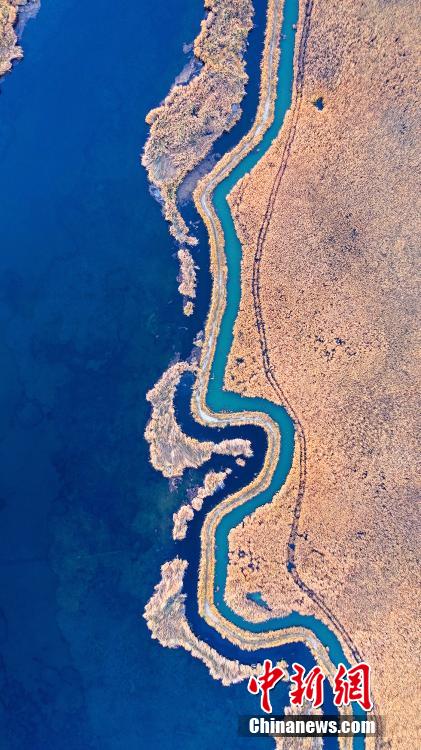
pixel 267 366
pixel 203 199
pixel 248 639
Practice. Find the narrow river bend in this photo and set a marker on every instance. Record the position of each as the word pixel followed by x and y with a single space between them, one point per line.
pixel 217 407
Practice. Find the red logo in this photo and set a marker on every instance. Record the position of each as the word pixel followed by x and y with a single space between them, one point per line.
pixel 349 685
pixel 264 683
pixel 353 685
pixel 309 688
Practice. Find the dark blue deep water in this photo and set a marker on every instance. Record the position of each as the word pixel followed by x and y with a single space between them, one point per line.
pixel 90 317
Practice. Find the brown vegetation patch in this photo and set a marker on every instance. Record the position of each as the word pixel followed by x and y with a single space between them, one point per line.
pixel 171 451
pixel 212 482
pixel 165 615
pixel 9 48
pixel 191 118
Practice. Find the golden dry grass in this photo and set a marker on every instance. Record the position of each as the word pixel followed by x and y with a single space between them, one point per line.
pixel 171 450
pixel 338 285
pixel 191 118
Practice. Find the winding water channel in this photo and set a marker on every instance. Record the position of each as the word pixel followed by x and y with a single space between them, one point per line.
pixel 215 406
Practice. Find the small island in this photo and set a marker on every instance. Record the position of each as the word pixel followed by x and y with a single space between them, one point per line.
pixel 10 50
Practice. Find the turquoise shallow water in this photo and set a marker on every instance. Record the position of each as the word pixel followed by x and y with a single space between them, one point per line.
pixel 221 400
